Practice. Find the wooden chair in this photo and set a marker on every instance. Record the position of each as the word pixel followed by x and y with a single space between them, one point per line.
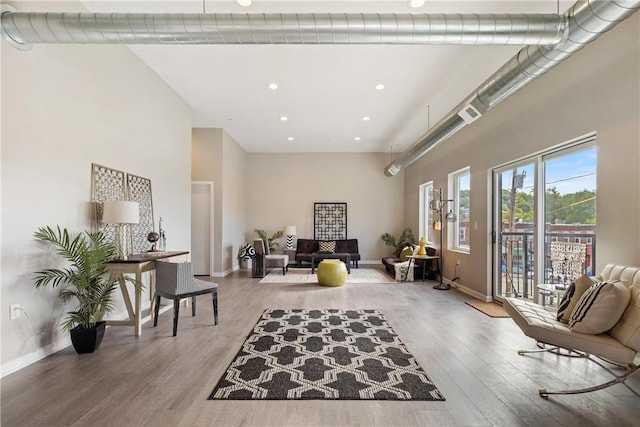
pixel 175 281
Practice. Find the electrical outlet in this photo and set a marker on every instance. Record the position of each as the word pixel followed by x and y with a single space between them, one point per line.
pixel 15 311
pixel 458 263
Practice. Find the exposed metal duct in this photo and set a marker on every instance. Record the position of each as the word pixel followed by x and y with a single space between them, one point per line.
pixel 23 28
pixel 587 20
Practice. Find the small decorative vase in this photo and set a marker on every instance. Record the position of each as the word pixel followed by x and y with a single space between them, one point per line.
pixel 422 250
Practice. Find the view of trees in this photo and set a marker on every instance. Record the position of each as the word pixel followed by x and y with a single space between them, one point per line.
pixel 571 208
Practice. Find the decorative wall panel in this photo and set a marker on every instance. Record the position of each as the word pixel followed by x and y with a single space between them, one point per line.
pixel 112 184
pixel 329 221
pixel 106 184
pixel 139 190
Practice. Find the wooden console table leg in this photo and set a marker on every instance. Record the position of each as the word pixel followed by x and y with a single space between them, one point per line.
pixel 138 312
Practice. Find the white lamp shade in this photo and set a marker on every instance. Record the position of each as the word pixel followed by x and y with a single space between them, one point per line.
pixel 120 212
pixel 290 230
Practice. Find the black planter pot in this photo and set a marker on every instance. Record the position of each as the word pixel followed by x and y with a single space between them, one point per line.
pixel 87 340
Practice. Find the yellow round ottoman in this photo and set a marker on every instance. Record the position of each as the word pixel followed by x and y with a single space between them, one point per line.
pixel 332 272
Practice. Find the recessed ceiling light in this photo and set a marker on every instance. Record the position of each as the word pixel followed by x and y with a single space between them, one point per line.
pixel 412 3
pixel 357 138
pixel 273 86
pixel 379 86
pixel 284 118
pixel 290 138
pixel 366 118
pixel 246 3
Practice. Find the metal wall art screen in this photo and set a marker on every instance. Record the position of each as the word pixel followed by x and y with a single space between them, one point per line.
pixel 112 184
pixel 139 190
pixel 330 221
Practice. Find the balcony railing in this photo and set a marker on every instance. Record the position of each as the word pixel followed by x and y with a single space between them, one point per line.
pixel 519 272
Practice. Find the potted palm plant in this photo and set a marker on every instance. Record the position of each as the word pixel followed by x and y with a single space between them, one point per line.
pixel 83 280
pixel 273 245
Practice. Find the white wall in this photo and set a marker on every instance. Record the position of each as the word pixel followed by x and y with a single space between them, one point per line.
pixel 281 190
pixel 207 165
pixel 233 209
pixel 63 108
pixel 217 157
pixel 598 89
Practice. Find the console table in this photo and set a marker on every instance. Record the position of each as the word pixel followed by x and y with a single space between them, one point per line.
pixel 137 264
pixel 344 257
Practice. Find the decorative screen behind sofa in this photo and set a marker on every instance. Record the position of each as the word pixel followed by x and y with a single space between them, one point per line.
pixel 330 221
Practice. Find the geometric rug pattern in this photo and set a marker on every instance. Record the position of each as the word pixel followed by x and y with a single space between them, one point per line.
pixel 324 354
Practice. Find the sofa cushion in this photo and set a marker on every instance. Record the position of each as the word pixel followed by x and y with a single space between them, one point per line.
pixel 627 331
pixel 306 246
pixel 571 296
pixel 327 246
pixel 599 308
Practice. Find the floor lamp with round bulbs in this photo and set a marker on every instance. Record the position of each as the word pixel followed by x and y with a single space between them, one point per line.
pixel 438 204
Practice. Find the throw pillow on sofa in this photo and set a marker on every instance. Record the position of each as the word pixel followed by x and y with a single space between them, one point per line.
pixel 600 308
pixel 327 246
pixel 571 296
pixel 407 251
pixel 627 330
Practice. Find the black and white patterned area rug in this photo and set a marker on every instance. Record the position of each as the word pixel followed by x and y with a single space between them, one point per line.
pixel 324 354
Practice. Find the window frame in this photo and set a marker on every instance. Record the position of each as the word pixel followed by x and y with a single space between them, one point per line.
pixel 453 237
pixel 425 212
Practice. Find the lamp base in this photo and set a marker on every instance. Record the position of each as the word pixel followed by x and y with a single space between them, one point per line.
pixel 442 287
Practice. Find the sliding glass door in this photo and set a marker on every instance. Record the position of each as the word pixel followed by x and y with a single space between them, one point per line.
pixel 515 255
pixel 544 220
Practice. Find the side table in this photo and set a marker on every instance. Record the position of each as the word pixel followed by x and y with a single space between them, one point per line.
pixel 551 291
pixel 424 259
pixel 292 255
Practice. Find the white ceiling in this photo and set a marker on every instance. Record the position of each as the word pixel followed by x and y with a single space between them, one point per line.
pixel 324 90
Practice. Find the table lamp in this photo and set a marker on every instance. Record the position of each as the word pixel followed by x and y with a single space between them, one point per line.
pixel 121 214
pixel 290 231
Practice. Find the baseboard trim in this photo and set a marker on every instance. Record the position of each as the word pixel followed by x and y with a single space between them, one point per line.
pixel 468 291
pixel 30 358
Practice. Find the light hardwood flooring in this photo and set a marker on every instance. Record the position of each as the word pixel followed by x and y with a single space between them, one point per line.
pixel 159 380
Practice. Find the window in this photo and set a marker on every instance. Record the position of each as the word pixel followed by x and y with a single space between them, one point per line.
pixel 460 185
pixel 426 213
pixel 544 207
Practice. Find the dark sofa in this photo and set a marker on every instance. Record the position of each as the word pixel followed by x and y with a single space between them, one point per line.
pixel 432 266
pixel 305 247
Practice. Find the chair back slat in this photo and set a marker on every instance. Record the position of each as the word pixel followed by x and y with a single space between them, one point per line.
pixel 174 277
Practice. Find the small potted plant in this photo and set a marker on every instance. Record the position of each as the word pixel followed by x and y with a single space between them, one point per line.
pixel 271 241
pixel 406 238
pixel 84 280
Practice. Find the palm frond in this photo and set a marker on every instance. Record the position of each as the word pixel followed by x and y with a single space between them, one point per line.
pixel 85 279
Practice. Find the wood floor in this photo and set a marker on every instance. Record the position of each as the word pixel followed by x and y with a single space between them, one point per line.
pixel 159 380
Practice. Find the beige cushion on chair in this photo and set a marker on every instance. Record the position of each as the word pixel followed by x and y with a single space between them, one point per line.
pixel 540 324
pixel 627 331
pixel 600 308
pixel 571 297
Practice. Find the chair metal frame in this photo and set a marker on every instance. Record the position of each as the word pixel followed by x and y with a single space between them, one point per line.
pixel 630 369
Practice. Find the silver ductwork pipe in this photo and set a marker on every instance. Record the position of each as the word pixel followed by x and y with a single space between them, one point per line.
pixel 587 20
pixel 25 28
